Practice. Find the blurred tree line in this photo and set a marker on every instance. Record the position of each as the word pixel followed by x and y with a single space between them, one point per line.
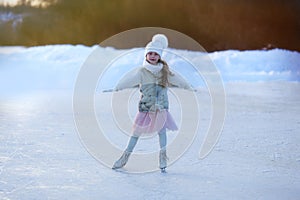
pixel 215 24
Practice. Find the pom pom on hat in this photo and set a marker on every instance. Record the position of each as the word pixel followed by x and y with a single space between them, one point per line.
pixel 157 44
pixel 162 39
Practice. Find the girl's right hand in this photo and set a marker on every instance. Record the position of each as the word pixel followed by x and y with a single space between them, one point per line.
pixel 108 90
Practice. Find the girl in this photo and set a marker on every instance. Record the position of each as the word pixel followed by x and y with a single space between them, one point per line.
pixel 153 80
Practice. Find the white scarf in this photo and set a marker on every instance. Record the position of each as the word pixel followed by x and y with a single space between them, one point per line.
pixel 154 69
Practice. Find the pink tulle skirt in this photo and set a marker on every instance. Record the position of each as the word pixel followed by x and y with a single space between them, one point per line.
pixel 151 122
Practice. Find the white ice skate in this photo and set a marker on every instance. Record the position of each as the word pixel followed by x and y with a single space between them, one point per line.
pixel 122 160
pixel 163 160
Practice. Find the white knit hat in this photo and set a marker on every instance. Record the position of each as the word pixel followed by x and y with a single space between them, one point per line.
pixel 158 43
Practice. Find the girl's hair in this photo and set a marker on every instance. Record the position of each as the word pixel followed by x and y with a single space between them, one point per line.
pixel 165 72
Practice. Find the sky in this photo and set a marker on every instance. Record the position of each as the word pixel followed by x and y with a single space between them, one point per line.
pixel 14 2
pixel 9 2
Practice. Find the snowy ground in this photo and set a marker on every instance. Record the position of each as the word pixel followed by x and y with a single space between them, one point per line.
pixel 41 156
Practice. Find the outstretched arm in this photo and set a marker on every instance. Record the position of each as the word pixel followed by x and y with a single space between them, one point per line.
pixel 130 80
pixel 176 80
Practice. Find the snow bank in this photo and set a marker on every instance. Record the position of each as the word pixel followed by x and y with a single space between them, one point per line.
pixel 56 66
pixel 276 64
pixel 43 67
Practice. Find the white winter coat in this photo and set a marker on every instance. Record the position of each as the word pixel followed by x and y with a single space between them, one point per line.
pixel 153 95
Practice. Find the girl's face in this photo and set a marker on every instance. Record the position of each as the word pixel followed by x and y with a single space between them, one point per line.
pixel 152 58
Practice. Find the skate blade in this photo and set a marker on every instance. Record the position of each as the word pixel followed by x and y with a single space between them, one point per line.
pixel 163 170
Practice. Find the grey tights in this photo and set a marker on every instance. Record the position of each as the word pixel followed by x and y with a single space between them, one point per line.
pixel 162 141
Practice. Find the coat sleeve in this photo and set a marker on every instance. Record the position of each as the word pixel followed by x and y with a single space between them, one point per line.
pixel 131 79
pixel 176 80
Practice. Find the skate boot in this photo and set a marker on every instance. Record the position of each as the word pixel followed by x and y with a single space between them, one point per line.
pixel 163 160
pixel 122 160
